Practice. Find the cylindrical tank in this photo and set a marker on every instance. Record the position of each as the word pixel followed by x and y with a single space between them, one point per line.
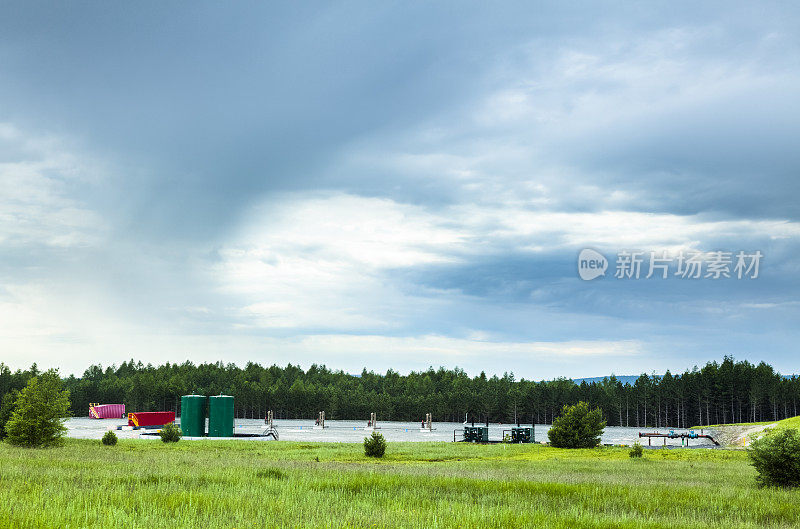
pixel 193 415
pixel 220 416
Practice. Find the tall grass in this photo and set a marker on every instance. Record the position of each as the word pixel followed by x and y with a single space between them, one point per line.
pixel 227 484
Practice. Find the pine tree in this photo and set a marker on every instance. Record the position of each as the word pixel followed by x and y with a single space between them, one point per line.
pixel 39 411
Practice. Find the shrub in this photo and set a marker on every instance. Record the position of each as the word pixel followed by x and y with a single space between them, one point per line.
pixel 6 407
pixel 170 433
pixel 637 450
pixel 271 473
pixel 776 457
pixel 110 438
pixel 374 445
pixel 577 427
pixel 39 411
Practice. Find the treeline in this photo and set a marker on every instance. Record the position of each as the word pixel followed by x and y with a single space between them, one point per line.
pixel 724 392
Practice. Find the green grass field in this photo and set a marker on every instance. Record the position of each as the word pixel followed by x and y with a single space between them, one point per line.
pixel 227 484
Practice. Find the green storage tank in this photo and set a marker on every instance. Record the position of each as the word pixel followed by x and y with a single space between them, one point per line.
pixel 220 416
pixel 193 415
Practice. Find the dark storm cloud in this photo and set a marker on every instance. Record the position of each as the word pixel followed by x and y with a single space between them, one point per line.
pixel 211 106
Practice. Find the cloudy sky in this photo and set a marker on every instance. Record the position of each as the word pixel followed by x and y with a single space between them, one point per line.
pixel 397 184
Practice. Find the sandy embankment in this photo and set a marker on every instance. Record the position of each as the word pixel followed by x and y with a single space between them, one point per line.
pixel 733 436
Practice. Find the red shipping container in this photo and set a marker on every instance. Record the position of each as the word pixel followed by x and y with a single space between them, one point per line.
pixel 150 418
pixel 106 411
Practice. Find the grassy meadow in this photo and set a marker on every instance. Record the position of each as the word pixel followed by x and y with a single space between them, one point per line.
pixel 240 484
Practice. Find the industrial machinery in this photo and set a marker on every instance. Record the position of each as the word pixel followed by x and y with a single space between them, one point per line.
pixel 476 434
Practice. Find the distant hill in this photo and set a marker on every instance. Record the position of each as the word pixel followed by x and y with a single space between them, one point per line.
pixel 625 379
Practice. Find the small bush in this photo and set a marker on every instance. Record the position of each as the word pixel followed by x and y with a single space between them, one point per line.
pixel 374 445
pixel 170 433
pixel 110 438
pixel 776 457
pixel 637 450
pixel 577 427
pixel 271 473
